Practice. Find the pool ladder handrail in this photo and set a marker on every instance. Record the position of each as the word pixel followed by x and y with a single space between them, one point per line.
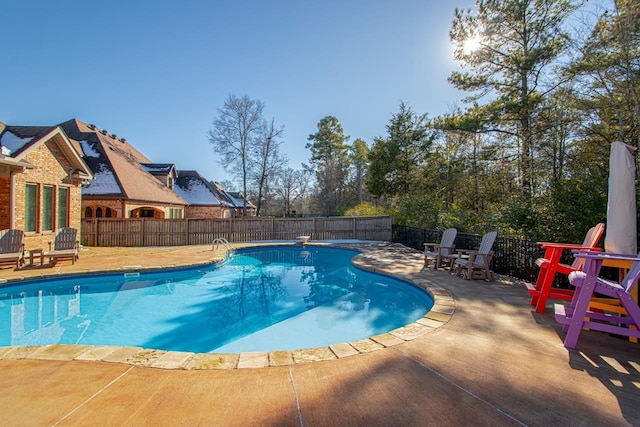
pixel 221 241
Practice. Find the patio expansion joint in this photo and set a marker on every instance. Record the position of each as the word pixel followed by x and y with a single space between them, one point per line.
pixel 460 387
pixel 90 398
pixel 295 396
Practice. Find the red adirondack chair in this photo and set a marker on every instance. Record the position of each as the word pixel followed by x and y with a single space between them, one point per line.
pixel 550 265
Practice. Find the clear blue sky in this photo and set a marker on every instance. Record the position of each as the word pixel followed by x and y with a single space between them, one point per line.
pixel 155 72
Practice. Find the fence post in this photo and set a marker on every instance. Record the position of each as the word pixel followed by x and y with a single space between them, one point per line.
pixel 273 229
pixel 187 241
pixel 353 228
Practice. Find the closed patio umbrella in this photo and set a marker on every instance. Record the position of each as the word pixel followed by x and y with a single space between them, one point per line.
pixel 621 205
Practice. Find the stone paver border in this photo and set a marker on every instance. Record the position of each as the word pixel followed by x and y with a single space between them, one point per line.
pixel 371 258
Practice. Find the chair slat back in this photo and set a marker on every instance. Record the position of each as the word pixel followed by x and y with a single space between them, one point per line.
pixel 590 241
pixel 485 248
pixel 446 242
pixel 487 242
pixel 65 238
pixel 11 241
pixel 593 235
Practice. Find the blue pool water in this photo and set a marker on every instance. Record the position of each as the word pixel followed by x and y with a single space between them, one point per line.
pixel 259 299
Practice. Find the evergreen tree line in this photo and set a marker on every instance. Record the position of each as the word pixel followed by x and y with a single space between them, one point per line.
pixel 549 83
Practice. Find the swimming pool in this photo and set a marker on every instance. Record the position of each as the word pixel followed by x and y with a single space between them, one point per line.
pixel 259 299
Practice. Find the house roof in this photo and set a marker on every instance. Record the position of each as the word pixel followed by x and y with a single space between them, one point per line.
pixel 238 200
pixel 222 194
pixel 159 168
pixel 16 142
pixel 235 199
pixel 196 190
pixel 117 166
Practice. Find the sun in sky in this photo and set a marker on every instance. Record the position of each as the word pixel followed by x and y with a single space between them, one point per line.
pixel 472 44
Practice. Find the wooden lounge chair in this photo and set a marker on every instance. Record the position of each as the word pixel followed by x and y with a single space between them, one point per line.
pixel 579 315
pixel 12 247
pixel 550 265
pixel 65 246
pixel 478 263
pixel 437 252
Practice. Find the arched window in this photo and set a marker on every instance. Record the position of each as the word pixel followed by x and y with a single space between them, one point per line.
pixel 98 212
pixel 108 212
pixel 88 212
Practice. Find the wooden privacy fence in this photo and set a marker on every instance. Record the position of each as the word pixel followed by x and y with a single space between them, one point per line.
pixel 180 232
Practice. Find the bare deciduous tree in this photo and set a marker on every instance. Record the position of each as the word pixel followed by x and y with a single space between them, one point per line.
pixel 291 185
pixel 267 160
pixel 234 135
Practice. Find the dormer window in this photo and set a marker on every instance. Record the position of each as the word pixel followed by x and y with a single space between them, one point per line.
pixel 170 182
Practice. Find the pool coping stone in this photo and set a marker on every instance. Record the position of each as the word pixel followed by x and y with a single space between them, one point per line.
pixel 371 258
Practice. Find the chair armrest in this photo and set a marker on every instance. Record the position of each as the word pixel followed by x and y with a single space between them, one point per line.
pixel 574 246
pixel 593 261
pixel 486 257
pixel 433 246
pixel 605 255
pixel 466 251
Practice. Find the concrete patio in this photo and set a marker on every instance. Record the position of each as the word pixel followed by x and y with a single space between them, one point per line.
pixel 493 361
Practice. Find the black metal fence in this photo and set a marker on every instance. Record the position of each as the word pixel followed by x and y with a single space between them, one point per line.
pixel 512 257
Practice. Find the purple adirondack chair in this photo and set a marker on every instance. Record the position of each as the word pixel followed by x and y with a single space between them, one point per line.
pixel 579 315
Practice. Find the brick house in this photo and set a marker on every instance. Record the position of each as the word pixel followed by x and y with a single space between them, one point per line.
pixel 204 198
pixel 41 178
pixel 127 184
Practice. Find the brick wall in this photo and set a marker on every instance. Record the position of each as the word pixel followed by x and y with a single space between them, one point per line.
pixel 161 210
pixel 204 212
pixel 5 203
pixel 116 207
pixel 53 168
pixel 123 209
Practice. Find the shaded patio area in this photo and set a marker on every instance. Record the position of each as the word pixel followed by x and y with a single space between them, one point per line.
pixel 494 362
